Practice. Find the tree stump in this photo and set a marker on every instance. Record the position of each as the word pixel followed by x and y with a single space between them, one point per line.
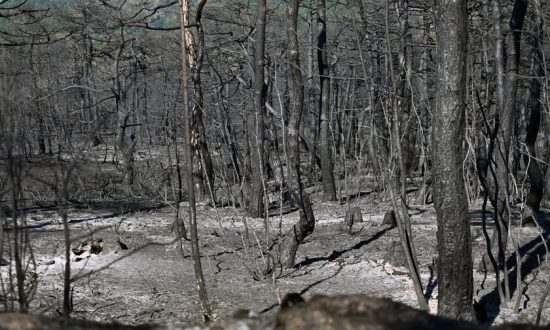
pixel 395 255
pixel 353 215
pixel 389 219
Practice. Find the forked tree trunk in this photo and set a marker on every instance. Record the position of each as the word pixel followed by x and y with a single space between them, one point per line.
pixel 498 183
pixel 306 224
pixel 454 264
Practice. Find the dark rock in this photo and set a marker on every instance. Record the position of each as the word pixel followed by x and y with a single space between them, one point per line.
pixel 361 312
pixel 17 321
pixel 291 300
pixel 97 246
pixel 86 249
pixel 358 312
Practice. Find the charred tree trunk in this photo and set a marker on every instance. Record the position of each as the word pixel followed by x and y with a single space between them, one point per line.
pixel 402 100
pixel 199 277
pixel 255 162
pixel 126 145
pixel 507 113
pixel 536 189
pixel 497 181
pixel 306 224
pixel 125 141
pixel 326 152
pixel 200 146
pixel 313 108
pixel 455 278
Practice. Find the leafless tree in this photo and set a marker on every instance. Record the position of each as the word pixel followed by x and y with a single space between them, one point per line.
pixel 186 113
pixel 306 224
pixel 325 141
pixel 454 264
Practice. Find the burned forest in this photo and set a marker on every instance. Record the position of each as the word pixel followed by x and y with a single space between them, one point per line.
pixel 274 164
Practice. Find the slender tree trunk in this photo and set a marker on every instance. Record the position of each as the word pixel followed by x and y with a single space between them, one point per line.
pixel 425 81
pixel 199 277
pixel 402 95
pixel 326 152
pixel 255 167
pixel 227 132
pixel 507 115
pixel 396 177
pixel 498 185
pixel 546 196
pixel 61 195
pixel 313 109
pixel 455 278
pixel 400 104
pixel 13 187
pixel 200 146
pixel 488 174
pixel 34 64
pixel 377 150
pixel 306 224
pixel 125 142
pixel 126 146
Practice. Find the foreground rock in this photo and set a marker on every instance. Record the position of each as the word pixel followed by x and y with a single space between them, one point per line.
pixel 366 313
pixel 323 313
pixel 16 321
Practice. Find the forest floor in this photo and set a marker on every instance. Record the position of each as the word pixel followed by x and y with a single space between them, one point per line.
pixel 150 281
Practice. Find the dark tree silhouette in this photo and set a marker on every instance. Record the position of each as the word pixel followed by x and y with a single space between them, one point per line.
pixel 454 265
pixel 255 162
pixel 325 141
pixel 306 223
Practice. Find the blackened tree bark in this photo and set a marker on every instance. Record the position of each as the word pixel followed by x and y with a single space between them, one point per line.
pixel 199 277
pixel 125 139
pixel 487 172
pixel 306 223
pixel 455 279
pixel 254 176
pixel 498 183
pixel 312 109
pixel 327 165
pixel 402 100
pixel 41 132
pixel 534 196
pixel 507 114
